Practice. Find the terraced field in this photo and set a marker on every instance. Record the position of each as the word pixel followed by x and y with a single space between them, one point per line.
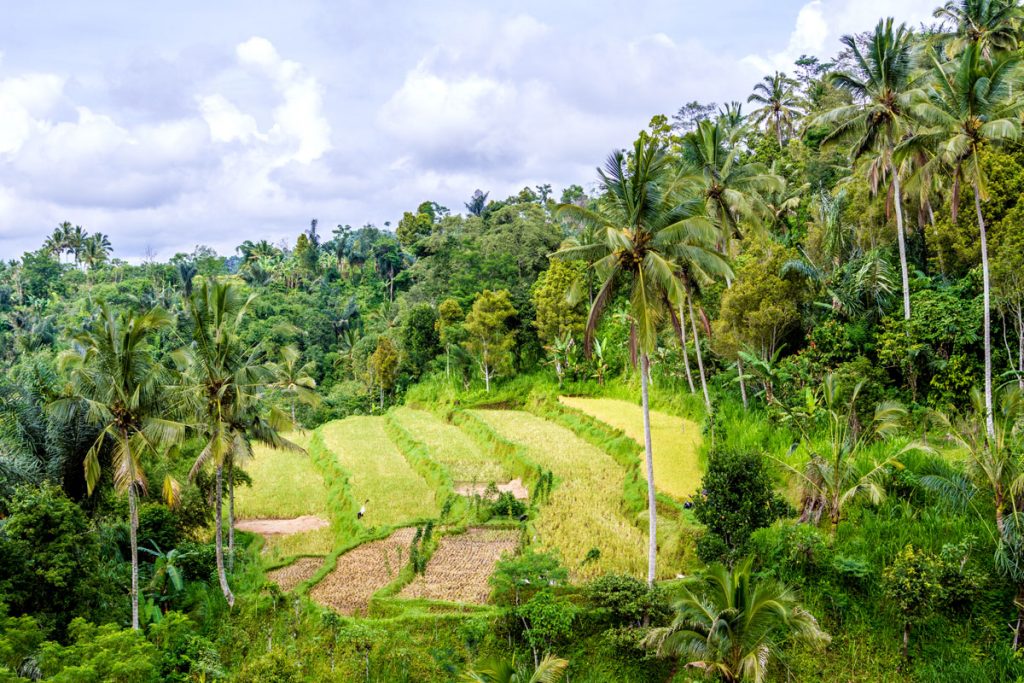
pixel 295 573
pixel 363 571
pixel 675 441
pixel 461 566
pixel 584 511
pixel 451 447
pixel 285 484
pixel 379 472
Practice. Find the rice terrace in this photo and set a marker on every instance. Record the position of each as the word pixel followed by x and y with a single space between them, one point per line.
pixel 585 482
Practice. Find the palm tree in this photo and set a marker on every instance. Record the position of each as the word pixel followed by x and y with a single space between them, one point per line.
pixel 730 623
pixel 732 188
pixel 992 468
pixel 186 272
pixel 834 475
pixel 95 250
pixel 990 25
pixel 780 105
pixel 114 374
pixel 223 379
pixel 966 106
pixel 294 380
pixel 880 82
pixel 76 242
pixel 642 230
pixel 550 670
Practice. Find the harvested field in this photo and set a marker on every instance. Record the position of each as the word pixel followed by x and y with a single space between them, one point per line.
pixel 451 447
pixel 379 472
pixel 585 509
pixel 363 571
pixel 298 571
pixel 675 441
pixel 515 487
pixel 461 566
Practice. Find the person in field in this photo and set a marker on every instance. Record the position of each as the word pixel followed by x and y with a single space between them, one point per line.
pixel 362 509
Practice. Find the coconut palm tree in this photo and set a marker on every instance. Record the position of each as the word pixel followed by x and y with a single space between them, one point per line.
pixel 294 380
pixel 550 670
pixel 967 105
pixel 225 379
pixel 780 104
pixel 95 250
pixel 115 376
pixel 993 470
pixel 730 623
pixel 880 82
pixel 835 474
pixel 76 242
pixel 643 228
pixel 990 25
pixel 732 189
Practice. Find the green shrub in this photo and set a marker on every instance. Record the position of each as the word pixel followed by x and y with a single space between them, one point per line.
pixel 736 500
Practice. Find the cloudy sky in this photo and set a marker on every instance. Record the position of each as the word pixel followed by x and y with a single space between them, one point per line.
pixel 215 122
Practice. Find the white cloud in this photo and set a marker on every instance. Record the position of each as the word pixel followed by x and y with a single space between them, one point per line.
pixel 820 23
pixel 299 118
pixel 227 123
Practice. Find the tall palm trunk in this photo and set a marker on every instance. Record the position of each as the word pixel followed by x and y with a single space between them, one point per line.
pixel 231 515
pixel 686 354
pixel 133 534
pixel 700 360
pixel 219 539
pixel 901 238
pixel 743 381
pixel 652 510
pixel 989 419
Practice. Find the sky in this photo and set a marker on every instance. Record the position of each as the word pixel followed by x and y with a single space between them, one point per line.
pixel 167 125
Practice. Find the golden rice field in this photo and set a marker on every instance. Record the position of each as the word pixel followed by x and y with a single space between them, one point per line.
pixel 451 447
pixel 675 441
pixel 378 472
pixel 584 511
pixel 315 542
pixel 284 484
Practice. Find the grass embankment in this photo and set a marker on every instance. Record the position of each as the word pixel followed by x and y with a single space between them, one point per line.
pixel 451 447
pixel 378 472
pixel 675 441
pixel 585 509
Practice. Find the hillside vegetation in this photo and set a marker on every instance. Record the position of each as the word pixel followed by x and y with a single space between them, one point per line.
pixel 814 297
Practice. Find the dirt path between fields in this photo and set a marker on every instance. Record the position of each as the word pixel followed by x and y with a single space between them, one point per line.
pixel 269 527
pixel 515 487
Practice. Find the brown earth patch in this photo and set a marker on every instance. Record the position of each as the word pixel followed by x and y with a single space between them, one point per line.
pixel 298 571
pixel 268 527
pixel 461 566
pixel 363 571
pixel 515 487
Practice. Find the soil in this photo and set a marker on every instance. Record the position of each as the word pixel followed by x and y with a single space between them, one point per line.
pixel 515 487
pixel 269 527
pixel 363 571
pixel 462 565
pixel 298 571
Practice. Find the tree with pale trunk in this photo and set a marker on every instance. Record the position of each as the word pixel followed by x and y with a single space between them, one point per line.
pixel 114 374
pixel 967 105
pixel 646 231
pixel 880 81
